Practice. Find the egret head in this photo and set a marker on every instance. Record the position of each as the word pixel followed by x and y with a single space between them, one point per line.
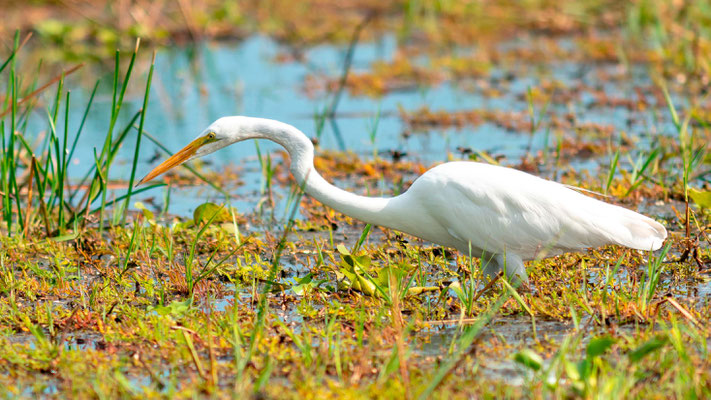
pixel 219 134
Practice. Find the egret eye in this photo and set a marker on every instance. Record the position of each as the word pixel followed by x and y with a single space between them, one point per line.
pixel 211 136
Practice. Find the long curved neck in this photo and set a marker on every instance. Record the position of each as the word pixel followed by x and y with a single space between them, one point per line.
pixel 374 210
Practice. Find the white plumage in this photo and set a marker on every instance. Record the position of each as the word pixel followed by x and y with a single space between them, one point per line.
pixel 501 215
pixel 505 211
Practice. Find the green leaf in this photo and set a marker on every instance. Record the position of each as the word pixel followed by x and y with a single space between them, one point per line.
pixel 146 212
pixel 177 226
pixel 303 285
pixel 358 282
pixel 599 345
pixel 584 367
pixel 264 375
pixel 356 270
pixel 344 273
pixel 174 309
pixel 517 296
pixel 363 261
pixel 529 359
pixel 276 287
pixel 456 287
pixel 417 290
pixel 348 262
pixel 204 212
pixel 365 286
pixel 701 198
pixel 52 28
pixel 229 227
pixel 343 250
pixel 647 348
pixel 571 369
pixel 69 236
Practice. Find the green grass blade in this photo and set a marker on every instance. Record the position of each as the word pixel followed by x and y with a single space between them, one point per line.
pixel 138 137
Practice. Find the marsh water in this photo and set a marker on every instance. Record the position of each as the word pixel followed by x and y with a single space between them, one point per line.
pixel 195 85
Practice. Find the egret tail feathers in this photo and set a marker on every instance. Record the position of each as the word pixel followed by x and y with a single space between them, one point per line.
pixel 636 231
pixel 646 233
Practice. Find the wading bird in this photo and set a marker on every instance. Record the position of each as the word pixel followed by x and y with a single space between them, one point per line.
pixel 501 215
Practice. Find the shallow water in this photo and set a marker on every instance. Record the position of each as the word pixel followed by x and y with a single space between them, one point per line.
pixel 193 86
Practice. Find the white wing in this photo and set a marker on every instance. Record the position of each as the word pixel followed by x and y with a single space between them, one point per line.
pixel 501 209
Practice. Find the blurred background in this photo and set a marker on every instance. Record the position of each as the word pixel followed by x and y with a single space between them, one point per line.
pixel 555 88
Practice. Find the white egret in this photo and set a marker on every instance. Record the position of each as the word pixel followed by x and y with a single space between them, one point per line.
pixel 500 214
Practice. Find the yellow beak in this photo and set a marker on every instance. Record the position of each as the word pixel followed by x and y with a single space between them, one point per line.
pixel 175 160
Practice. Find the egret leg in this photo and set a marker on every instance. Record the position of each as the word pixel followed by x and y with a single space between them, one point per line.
pixel 511 264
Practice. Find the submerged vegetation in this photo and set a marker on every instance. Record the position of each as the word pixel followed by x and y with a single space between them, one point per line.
pixel 105 291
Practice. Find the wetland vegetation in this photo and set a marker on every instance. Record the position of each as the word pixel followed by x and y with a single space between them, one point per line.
pixel 222 279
